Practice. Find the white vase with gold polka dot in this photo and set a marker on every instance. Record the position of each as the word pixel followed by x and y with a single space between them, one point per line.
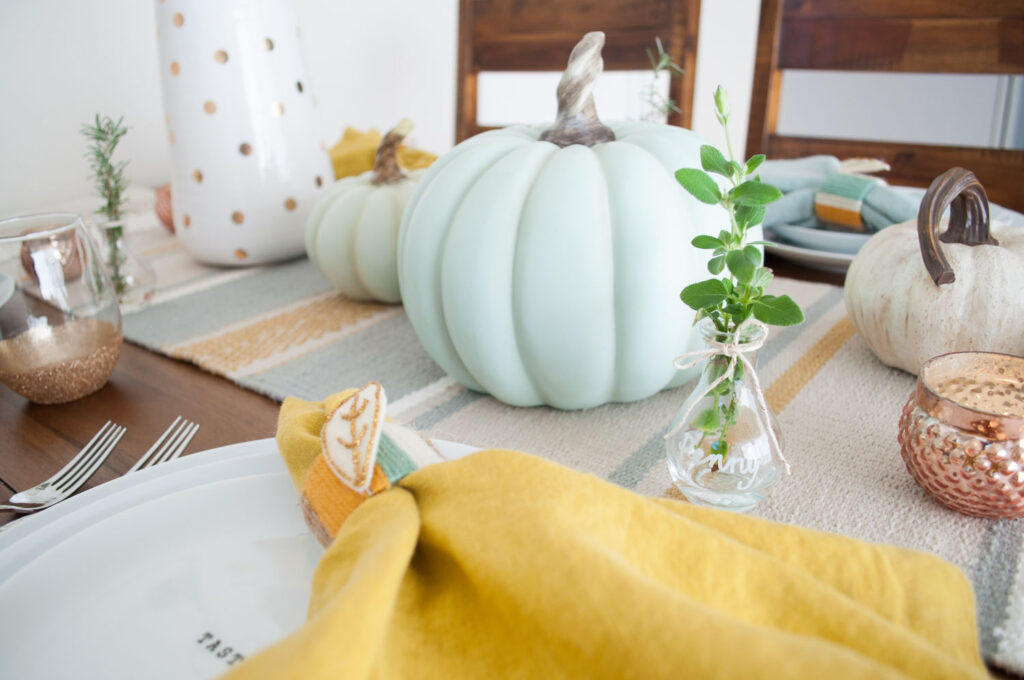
pixel 244 136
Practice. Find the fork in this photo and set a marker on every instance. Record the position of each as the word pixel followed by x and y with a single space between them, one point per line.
pixel 169 446
pixel 72 476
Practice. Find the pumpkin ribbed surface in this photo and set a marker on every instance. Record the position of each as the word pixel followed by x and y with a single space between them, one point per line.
pixel 352 234
pixel 547 275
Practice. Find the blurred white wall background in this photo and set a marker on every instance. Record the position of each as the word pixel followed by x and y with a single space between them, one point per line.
pixel 372 63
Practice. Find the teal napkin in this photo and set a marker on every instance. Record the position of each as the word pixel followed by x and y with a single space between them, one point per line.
pixel 799 180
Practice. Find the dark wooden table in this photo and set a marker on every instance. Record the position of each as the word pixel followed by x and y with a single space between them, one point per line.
pixel 145 393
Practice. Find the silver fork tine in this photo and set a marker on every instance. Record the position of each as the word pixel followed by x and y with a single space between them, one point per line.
pixel 178 446
pixel 86 450
pixel 85 457
pixel 142 462
pixel 72 476
pixel 101 454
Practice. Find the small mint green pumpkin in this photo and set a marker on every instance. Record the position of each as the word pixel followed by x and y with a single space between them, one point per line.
pixel 547 270
pixel 352 231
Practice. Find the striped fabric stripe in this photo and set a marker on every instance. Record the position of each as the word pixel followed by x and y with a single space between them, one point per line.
pixel 840 197
pixel 280 330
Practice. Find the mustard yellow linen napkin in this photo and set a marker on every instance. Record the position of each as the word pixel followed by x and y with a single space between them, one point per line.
pixel 502 564
pixel 355 152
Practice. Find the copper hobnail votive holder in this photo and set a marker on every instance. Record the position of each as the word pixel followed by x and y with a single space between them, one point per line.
pixel 960 433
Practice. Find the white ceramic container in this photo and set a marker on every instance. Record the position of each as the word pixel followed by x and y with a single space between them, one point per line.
pixel 245 143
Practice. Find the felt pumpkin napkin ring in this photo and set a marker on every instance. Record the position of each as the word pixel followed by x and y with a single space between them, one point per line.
pixel 361 454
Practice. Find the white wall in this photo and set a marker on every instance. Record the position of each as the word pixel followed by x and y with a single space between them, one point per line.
pixel 371 63
pixel 62 61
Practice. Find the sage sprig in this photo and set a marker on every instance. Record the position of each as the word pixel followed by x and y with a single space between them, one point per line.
pixel 731 300
pixel 728 301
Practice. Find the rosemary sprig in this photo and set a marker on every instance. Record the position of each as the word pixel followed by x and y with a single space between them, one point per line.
pixel 661 62
pixel 105 133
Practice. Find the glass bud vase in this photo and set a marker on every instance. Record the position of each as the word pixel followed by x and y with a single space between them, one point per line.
pixel 719 449
pixel 132 277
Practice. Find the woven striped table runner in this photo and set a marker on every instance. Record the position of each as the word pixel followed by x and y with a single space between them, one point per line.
pixel 282 331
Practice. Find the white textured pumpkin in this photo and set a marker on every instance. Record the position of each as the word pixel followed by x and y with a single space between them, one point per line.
pixel 549 273
pixel 352 232
pixel 909 305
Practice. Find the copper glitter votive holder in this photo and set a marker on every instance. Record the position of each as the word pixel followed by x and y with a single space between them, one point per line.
pixel 960 432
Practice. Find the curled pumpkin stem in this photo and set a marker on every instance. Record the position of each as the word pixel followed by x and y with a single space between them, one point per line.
pixel 960 191
pixel 577 121
pixel 385 168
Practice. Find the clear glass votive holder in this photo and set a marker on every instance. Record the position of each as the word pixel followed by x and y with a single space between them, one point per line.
pixel 60 327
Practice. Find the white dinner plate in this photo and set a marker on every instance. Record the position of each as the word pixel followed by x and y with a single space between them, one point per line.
pixel 825 240
pixel 179 573
pixel 817 259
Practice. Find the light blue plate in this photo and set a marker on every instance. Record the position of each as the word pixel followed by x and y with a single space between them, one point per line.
pixel 846 242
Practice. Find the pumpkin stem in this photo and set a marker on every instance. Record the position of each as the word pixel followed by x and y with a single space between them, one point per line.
pixel 385 167
pixel 961 192
pixel 577 121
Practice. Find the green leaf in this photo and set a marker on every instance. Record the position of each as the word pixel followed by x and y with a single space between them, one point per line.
pixel 778 311
pixel 716 264
pixel 737 169
pixel 740 266
pixel 700 185
pixel 753 192
pixel 706 242
pixel 712 160
pixel 748 216
pixel 733 309
pixel 754 163
pixel 728 285
pixel 702 294
pixel 753 254
pixel 722 108
pixel 762 277
pixel 707 420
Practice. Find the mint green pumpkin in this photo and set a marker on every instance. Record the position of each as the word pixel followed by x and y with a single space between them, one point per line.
pixel 545 272
pixel 352 231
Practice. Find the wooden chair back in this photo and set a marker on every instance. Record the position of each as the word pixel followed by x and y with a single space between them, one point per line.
pixel 538 35
pixel 924 36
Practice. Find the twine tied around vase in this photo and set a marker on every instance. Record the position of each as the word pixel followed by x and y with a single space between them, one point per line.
pixel 735 349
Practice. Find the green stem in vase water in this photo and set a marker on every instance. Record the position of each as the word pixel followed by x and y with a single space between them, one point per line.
pixel 732 299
